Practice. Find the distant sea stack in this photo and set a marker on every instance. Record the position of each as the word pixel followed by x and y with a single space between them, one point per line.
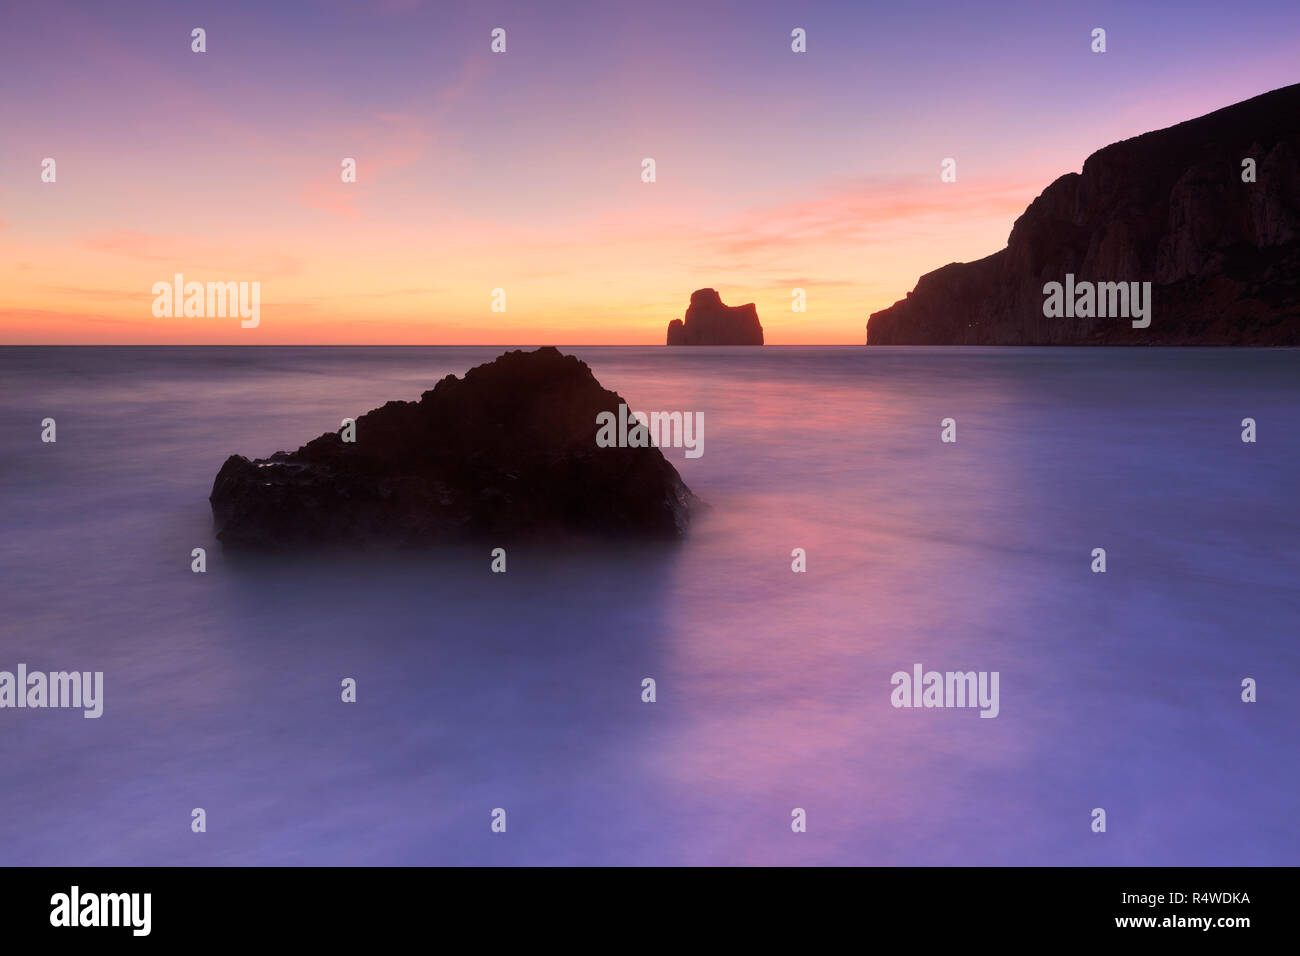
pixel 1169 207
pixel 709 322
pixel 507 452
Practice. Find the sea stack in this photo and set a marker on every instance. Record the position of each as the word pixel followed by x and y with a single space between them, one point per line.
pixel 506 453
pixel 1207 211
pixel 709 322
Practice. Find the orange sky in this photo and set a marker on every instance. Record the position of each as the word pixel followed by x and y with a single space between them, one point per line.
pixel 522 171
pixel 615 280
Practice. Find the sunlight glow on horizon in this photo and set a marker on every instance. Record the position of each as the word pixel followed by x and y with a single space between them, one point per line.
pixel 521 171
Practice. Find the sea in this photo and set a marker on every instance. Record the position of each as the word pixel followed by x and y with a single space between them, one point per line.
pixel 502 719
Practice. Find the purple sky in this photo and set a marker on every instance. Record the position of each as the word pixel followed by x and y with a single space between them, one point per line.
pixel 522 171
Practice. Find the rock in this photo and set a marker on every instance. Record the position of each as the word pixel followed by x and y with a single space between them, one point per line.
pixel 709 322
pixel 506 453
pixel 1168 207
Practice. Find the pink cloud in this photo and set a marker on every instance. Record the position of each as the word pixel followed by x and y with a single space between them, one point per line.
pixel 187 253
pixel 390 141
pixel 859 212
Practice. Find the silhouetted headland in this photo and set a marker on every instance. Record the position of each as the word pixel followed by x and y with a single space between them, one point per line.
pixel 709 322
pixel 1207 211
pixel 507 452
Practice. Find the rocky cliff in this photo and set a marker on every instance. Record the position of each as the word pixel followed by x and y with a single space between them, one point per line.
pixel 709 322
pixel 506 453
pixel 1169 207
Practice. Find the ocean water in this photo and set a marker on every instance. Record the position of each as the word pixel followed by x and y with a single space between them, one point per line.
pixel 522 691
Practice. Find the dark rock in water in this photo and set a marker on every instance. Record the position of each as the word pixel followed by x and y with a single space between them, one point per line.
pixel 506 453
pixel 709 322
pixel 1168 207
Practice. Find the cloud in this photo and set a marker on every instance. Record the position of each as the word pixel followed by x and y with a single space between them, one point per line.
pixel 187 254
pixel 47 318
pixel 125 295
pixel 808 281
pixel 867 211
pixel 390 141
pixel 385 294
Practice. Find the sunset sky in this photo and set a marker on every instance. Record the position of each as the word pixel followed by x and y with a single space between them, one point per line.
pixel 522 170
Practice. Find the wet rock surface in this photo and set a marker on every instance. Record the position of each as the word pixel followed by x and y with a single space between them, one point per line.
pixel 504 453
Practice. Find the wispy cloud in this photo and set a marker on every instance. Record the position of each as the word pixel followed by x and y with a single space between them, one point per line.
pixel 180 252
pixel 390 141
pixel 866 211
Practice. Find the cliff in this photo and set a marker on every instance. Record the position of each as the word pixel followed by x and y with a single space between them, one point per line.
pixel 1169 207
pixel 709 322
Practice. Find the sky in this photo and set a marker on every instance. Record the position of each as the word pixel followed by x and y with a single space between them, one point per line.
pixel 523 171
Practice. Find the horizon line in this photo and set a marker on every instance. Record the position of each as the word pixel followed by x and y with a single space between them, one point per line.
pixel 410 345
